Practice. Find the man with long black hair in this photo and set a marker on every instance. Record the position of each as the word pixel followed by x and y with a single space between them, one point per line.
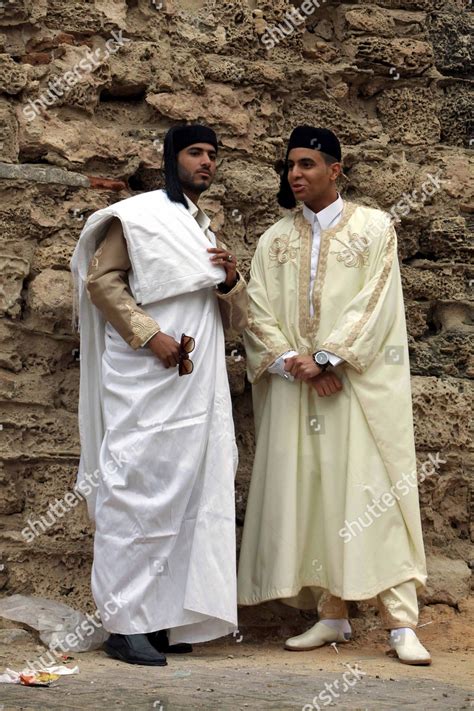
pixel 158 455
pixel 333 510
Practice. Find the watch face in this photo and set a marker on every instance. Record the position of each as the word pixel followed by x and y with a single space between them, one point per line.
pixel 322 358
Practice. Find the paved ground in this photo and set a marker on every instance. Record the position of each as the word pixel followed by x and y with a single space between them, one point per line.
pixel 237 676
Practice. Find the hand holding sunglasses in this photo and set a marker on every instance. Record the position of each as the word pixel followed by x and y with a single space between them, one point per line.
pixel 186 346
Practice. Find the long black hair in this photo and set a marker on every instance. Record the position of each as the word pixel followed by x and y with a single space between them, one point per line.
pixel 173 186
pixel 285 195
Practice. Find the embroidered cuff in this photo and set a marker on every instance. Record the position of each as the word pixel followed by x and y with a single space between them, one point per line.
pixel 143 327
pixel 145 343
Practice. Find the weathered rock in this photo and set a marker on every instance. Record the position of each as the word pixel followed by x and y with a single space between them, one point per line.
pixel 407 56
pixel 407 114
pixel 8 133
pixel 14 270
pixel 448 581
pixel 444 496
pixel 451 35
pixel 49 301
pixel 236 373
pixel 456 114
pixel 14 12
pixel 449 238
pixel 441 409
pixel 214 108
pixel 13 77
pixel 390 78
pixel 443 355
pixel 16 635
pixel 37 174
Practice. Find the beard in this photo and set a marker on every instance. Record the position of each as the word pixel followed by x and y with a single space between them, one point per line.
pixel 187 181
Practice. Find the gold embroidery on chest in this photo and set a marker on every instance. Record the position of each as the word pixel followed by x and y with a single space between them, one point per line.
pixel 282 251
pixel 355 253
pixel 309 326
pixel 305 233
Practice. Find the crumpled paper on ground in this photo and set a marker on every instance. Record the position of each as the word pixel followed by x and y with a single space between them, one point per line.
pixel 28 678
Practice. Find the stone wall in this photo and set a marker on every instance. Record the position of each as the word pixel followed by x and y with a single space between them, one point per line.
pixel 390 78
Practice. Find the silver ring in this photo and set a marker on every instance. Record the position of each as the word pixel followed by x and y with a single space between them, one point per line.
pixel 230 258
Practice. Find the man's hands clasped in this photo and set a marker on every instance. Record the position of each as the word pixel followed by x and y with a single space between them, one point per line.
pixel 326 384
pixel 303 367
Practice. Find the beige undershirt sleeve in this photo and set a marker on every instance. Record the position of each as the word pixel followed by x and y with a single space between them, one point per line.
pixel 108 289
pixel 233 305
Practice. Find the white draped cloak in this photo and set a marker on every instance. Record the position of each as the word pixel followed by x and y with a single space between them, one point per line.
pixel 158 452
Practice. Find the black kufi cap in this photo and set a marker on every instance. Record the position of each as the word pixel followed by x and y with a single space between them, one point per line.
pixel 317 139
pixel 177 139
pixel 184 136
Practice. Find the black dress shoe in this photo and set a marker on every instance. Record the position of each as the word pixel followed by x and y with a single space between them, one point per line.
pixel 134 649
pixel 161 643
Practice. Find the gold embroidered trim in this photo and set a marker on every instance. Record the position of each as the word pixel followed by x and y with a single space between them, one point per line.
pixel 274 350
pixel 305 232
pixel 343 349
pixel 282 251
pixel 355 253
pixel 94 263
pixel 143 327
pixel 388 261
pixel 309 327
pixel 265 363
pixel 326 236
pixel 344 353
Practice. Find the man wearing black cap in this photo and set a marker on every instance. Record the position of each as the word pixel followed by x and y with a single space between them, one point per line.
pixel 158 453
pixel 333 511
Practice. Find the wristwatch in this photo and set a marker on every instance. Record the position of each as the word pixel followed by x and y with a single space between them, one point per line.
pixel 321 359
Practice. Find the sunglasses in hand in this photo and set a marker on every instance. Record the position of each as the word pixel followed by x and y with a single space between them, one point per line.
pixel 186 346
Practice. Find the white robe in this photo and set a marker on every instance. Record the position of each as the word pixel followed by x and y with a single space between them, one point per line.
pixel 162 446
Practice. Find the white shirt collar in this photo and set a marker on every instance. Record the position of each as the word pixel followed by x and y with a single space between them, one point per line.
pixel 326 216
pixel 201 218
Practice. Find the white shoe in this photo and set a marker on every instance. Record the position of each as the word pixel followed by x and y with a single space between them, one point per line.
pixel 408 647
pixel 319 635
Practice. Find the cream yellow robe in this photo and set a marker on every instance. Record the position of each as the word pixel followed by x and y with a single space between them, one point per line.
pixel 321 461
